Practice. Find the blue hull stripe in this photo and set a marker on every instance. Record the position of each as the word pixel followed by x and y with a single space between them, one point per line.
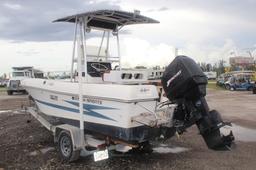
pixel 88 107
pixel 58 106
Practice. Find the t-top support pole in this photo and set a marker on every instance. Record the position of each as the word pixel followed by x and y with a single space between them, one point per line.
pixel 107 49
pixel 102 39
pixel 118 51
pixel 73 53
pixel 84 61
pixel 81 60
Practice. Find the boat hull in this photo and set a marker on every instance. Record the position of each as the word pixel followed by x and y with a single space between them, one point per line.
pixel 102 115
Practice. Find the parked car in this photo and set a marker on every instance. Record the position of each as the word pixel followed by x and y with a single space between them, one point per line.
pixel 235 83
pixel 222 79
pixel 3 83
pixel 211 75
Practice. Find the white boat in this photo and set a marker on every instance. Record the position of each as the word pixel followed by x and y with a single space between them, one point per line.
pixel 113 104
pixel 20 73
pixel 110 97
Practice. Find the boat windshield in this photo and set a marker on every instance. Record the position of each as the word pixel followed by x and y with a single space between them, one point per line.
pixel 39 75
pixel 18 74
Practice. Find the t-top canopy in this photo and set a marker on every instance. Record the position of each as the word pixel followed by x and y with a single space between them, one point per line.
pixel 109 19
pixel 22 68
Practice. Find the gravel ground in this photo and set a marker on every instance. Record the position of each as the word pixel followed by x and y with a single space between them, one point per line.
pixel 30 146
pixel 15 101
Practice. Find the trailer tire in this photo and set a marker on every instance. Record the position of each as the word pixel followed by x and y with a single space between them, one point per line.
pixel 65 148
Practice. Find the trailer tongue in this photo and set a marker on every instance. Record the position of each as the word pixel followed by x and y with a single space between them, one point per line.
pixel 185 84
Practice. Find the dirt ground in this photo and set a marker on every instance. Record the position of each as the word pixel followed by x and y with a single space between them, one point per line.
pixel 30 146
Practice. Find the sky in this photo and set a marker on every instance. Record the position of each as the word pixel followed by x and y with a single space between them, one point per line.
pixel 207 31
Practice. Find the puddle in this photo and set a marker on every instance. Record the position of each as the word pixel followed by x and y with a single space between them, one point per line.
pixel 5 111
pixel 12 111
pixel 19 112
pixel 43 151
pixel 170 149
pixel 34 153
pixel 241 133
pixel 163 145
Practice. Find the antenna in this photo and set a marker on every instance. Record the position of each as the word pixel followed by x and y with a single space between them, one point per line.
pixel 176 52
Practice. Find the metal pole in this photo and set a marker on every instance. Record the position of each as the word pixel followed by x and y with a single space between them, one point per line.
pixel 102 39
pixel 73 52
pixel 118 51
pixel 85 21
pixel 107 49
pixel 80 83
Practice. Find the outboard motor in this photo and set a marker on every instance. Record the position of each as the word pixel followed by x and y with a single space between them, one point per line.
pixel 184 83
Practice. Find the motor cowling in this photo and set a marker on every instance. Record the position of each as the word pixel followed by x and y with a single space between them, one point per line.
pixel 183 78
pixel 185 83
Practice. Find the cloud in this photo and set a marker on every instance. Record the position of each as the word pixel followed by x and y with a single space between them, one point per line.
pixel 199 21
pixel 30 20
pixel 13 6
pixel 48 56
pixel 140 52
pixel 181 21
pixel 204 30
pixel 136 51
pixel 158 9
pixel 210 53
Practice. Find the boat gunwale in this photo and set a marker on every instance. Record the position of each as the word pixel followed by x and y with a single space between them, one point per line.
pixel 95 97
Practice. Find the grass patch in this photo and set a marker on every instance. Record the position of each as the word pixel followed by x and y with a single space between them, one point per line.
pixel 212 85
pixel 211 81
pixel 2 89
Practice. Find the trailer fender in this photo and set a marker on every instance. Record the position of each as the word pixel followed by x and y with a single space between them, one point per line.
pixel 75 134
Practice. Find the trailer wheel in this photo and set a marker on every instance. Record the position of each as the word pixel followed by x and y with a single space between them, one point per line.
pixel 65 148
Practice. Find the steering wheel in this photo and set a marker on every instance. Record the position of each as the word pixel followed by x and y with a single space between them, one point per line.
pixel 99 67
